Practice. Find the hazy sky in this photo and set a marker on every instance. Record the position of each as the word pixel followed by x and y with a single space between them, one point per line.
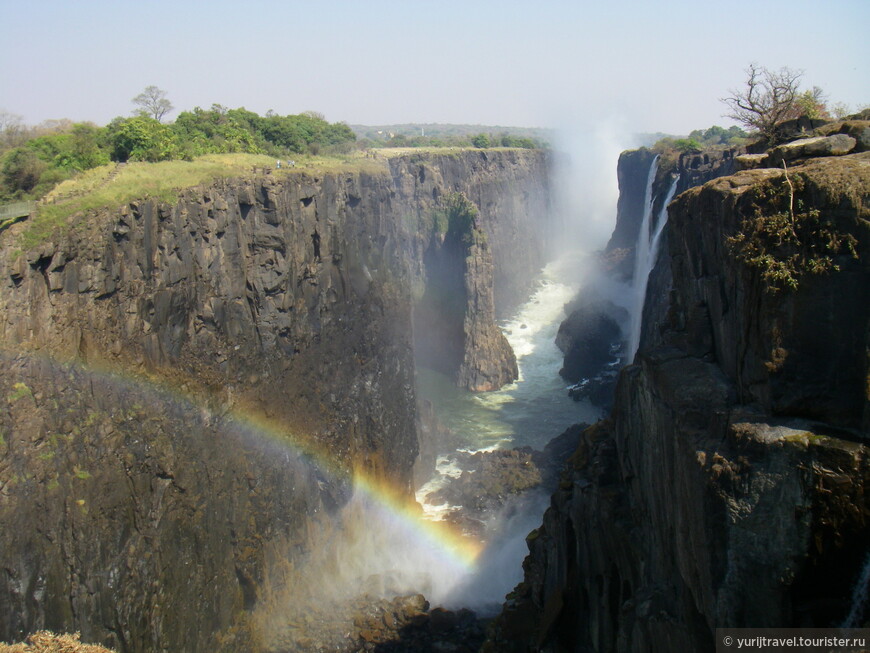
pixel 639 66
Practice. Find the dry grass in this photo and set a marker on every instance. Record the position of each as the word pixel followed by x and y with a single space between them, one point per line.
pixel 47 642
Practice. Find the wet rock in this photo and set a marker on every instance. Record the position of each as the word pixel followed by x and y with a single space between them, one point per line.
pixel 588 337
pixel 404 624
pixel 488 481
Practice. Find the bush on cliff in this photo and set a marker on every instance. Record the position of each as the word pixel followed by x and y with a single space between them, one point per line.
pixel 47 642
pixel 784 240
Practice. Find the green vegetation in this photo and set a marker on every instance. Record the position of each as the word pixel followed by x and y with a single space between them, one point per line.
pixel 462 217
pixel 714 137
pixel 76 168
pixel 436 135
pixel 34 160
pixel 784 240
pixel 113 185
pixel 19 391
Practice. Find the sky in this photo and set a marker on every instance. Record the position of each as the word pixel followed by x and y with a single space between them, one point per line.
pixel 631 66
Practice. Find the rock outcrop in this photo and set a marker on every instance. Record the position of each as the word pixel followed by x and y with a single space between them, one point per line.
pixel 455 328
pixel 730 486
pixel 190 386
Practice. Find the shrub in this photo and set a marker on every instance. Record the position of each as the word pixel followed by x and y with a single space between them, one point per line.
pixel 784 241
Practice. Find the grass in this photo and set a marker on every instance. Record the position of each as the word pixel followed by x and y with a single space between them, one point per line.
pixel 19 390
pixel 99 188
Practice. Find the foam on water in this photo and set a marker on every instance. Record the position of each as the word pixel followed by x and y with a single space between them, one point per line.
pixel 536 407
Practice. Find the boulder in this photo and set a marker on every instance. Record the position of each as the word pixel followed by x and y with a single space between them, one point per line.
pixel 857 129
pixel 835 145
pixel 751 161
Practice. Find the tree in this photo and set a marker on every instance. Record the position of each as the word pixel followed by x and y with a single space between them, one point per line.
pixel 141 139
pixel 813 104
pixel 11 129
pixel 153 102
pixel 22 170
pixel 481 141
pixel 768 99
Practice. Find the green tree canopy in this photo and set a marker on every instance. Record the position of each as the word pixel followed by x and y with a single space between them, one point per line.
pixel 141 139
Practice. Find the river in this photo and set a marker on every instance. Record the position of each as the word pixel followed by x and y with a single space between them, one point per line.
pixel 529 412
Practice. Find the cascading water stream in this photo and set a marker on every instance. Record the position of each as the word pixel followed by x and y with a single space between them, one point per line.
pixel 646 254
pixel 860 595
pixel 641 260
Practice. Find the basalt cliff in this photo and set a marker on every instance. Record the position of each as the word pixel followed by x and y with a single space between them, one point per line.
pixel 190 387
pixel 729 486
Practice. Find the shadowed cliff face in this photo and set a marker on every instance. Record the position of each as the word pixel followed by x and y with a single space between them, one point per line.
pixel 265 294
pixel 729 487
pixel 237 356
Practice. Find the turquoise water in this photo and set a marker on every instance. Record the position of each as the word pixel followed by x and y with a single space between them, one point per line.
pixel 536 408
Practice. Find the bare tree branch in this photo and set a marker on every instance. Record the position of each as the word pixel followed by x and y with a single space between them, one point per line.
pixel 769 98
pixel 153 102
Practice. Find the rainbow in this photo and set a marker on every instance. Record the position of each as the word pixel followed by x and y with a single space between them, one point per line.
pixel 393 506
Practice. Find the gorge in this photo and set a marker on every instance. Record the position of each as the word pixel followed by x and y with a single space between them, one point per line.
pixel 205 398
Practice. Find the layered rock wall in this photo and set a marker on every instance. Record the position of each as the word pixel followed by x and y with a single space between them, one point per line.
pixel 513 198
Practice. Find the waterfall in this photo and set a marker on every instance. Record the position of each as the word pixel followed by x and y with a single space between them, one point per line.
pixel 645 254
pixel 641 263
pixel 859 597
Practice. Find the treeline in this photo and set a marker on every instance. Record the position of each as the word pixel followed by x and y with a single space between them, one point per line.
pixel 452 135
pixel 34 159
pixel 479 140
pixel 701 139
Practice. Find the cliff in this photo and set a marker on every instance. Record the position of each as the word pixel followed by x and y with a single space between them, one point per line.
pixel 729 487
pixel 191 386
pixel 598 322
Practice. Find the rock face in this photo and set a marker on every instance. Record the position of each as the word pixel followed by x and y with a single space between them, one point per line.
pixel 513 199
pixel 632 171
pixel 729 488
pixel 189 387
pixel 455 328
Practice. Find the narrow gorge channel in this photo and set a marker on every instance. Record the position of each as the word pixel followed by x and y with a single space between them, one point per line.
pixel 526 414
